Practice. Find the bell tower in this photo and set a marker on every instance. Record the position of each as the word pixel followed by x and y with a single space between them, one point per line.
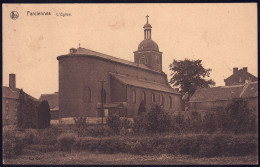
pixel 148 51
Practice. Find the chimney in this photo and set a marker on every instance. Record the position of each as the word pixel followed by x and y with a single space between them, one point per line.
pixel 245 69
pixel 235 70
pixel 12 81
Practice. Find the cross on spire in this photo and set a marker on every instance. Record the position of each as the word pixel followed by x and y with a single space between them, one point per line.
pixel 79 44
pixel 147 18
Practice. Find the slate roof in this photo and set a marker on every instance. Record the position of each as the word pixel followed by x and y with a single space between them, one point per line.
pixel 13 93
pixel 250 90
pixel 144 84
pixel 53 100
pixel 87 52
pixel 225 92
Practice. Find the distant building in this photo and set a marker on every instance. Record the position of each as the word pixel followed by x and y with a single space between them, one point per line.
pixel 239 77
pixel 208 99
pixel 125 83
pixel 53 100
pixel 10 101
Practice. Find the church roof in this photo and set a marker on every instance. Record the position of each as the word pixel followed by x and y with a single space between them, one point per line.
pixel 225 92
pixel 87 52
pixel 144 83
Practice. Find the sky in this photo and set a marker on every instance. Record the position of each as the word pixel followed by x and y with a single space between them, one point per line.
pixel 223 36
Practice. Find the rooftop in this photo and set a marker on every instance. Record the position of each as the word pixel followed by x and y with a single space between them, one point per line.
pixel 225 92
pixel 144 83
pixel 86 52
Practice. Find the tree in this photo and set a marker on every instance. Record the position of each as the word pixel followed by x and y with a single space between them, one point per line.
pixel 44 115
pixel 189 75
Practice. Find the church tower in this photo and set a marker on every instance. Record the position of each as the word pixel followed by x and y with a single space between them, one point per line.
pixel 148 51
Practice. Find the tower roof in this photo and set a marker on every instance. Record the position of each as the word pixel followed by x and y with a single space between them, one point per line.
pixel 148 44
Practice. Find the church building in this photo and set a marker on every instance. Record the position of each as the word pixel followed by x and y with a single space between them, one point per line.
pixel 85 76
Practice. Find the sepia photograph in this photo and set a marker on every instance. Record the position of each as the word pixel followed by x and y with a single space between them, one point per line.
pixel 129 84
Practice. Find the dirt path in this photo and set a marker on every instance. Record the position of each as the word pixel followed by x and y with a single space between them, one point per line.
pixel 120 159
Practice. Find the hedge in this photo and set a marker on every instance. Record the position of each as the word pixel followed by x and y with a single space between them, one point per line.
pixel 202 145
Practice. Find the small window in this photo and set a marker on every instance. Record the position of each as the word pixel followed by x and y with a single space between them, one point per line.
pixel 144 97
pixel 161 100
pixel 153 97
pixel 133 96
pixel 6 108
pixel 170 101
pixel 6 101
pixel 146 60
pixel 240 79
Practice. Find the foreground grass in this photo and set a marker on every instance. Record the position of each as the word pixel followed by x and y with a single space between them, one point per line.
pixel 120 159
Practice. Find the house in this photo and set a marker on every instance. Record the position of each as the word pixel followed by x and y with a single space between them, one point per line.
pixel 208 99
pixel 10 101
pixel 88 78
pixel 239 77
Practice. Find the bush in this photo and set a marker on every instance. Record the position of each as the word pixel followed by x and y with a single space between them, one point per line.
pixel 30 135
pixel 66 141
pixel 98 131
pixel 203 145
pixel 13 142
pixel 157 120
pixel 41 148
pixel 113 121
pixel 81 125
pixel 47 136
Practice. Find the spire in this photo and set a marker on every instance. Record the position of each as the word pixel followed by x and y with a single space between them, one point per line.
pixel 147 19
pixel 147 29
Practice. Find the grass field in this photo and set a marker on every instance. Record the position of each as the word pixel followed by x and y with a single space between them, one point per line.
pixel 124 159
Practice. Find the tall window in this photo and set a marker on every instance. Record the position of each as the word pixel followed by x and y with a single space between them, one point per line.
pixel 157 59
pixel 161 100
pixel 153 97
pixel 104 96
pixel 144 97
pixel 133 96
pixel 86 94
pixel 170 101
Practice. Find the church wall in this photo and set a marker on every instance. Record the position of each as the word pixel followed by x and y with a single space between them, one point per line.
pixel 77 72
pixel 118 91
pixel 132 109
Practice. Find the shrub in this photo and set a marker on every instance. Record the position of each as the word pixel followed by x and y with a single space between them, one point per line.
pixel 44 115
pixel 113 121
pixel 66 141
pixel 98 131
pixel 47 136
pixel 41 148
pixel 13 142
pixel 157 120
pixel 30 135
pixel 81 125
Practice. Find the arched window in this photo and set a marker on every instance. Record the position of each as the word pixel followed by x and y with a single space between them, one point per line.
pixel 144 97
pixel 161 100
pixel 170 101
pixel 133 96
pixel 153 97
pixel 146 60
pixel 86 94
pixel 104 95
